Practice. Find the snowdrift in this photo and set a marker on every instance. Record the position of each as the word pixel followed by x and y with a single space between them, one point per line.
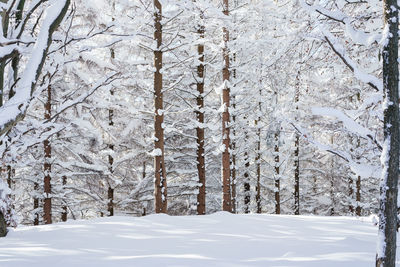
pixel 220 239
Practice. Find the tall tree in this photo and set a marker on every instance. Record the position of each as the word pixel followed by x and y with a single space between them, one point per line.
pixel 159 165
pixel 226 161
pixel 277 180
pixel 388 220
pixel 201 168
pixel 296 150
pixel 47 164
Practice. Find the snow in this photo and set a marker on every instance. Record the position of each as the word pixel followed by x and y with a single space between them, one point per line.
pixel 349 123
pixel 156 152
pixel 16 105
pixel 220 239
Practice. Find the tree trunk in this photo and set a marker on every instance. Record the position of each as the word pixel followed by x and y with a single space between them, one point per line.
pixel 247 194
pixel 5 24
pixel 297 175
pixel 36 204
pixel 226 168
pixel 351 193
pixel 201 168
pixel 277 176
pixel 15 60
pixel 3 225
pixel 386 254
pixel 258 156
pixel 64 214
pixel 110 206
pixel 233 156
pixel 160 191
pixel 47 165
pixel 110 191
pixel 358 196
pixel 296 151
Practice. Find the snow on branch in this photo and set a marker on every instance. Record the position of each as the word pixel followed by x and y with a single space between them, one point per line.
pixel 348 123
pixel 360 74
pixel 14 110
pixel 358 37
pixel 363 170
pixel 320 146
pixel 79 100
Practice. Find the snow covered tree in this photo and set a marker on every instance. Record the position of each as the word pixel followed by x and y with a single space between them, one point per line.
pixel 388 206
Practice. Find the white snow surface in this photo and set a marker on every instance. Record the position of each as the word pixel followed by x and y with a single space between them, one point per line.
pixel 220 239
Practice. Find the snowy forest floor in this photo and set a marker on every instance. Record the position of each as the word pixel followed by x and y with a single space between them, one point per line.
pixel 220 239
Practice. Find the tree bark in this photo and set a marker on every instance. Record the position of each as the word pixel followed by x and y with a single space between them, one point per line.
pixel 110 206
pixel 297 175
pixel 64 214
pixel 296 151
pixel 159 165
pixel 110 191
pixel 36 204
pixel 351 193
pixel 201 168
pixel 47 208
pixel 37 66
pixel 3 225
pixel 388 222
pixel 358 196
pixel 258 156
pixel 233 164
pixel 226 166
pixel 247 194
pixel 246 185
pixel 277 176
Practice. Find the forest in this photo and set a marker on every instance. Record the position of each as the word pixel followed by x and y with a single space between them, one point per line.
pixel 138 107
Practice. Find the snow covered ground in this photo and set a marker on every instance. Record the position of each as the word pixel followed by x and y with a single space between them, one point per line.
pixel 221 239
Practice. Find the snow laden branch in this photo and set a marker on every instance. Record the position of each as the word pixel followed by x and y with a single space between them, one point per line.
pixel 15 109
pixel 360 74
pixel 79 100
pixel 303 133
pixel 348 123
pixel 363 170
pixel 358 37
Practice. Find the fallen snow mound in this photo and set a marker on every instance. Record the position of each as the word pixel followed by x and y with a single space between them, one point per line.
pixel 220 239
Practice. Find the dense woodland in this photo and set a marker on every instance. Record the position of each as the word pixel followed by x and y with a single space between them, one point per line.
pixel 191 107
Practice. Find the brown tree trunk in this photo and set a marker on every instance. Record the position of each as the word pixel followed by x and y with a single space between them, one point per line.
pixel 351 192
pixel 47 165
pixel 110 206
pixel 277 174
pixel 64 214
pixel 160 191
pixel 226 166
pixel 201 168
pixel 36 204
pixel 358 196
